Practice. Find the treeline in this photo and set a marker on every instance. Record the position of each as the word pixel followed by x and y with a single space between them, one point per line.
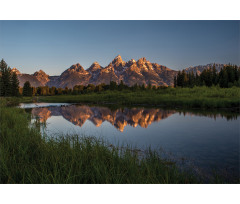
pixel 27 90
pixel 9 84
pixel 80 89
pixel 228 77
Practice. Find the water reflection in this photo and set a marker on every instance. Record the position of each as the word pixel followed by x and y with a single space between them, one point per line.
pixel 119 118
pixel 211 114
pixel 210 139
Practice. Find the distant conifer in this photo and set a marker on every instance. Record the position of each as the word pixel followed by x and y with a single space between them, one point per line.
pixel 15 84
pixel 5 81
pixel 27 89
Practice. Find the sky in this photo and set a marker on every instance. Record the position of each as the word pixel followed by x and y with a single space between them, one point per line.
pixel 54 46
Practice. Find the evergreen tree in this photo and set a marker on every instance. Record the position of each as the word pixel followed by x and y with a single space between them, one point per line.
pixel 5 82
pixel 214 75
pixel 3 67
pixel 15 84
pixel 223 78
pixel 231 74
pixel 203 77
pixel 113 85
pixel 175 81
pixel 193 79
pixel 121 86
pixel 27 89
pixel 143 86
pixel 197 80
pixel 179 79
pixel 208 79
pixel 184 78
pixel 236 73
pixel 135 87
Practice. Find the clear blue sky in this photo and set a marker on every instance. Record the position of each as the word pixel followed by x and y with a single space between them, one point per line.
pixel 55 45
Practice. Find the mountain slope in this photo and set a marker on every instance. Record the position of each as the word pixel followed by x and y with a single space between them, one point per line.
pixel 42 77
pixel 37 79
pixel 75 75
pixel 198 69
pixel 131 72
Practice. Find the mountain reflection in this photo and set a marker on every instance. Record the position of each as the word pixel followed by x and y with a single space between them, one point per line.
pixel 119 118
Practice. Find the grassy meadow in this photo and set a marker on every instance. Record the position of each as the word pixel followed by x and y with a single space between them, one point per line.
pixel 197 97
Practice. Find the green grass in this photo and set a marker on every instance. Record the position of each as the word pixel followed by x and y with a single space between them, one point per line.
pixel 197 97
pixel 14 101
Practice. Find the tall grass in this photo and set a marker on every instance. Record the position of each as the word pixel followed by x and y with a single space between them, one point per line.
pixel 14 101
pixel 197 97
pixel 27 157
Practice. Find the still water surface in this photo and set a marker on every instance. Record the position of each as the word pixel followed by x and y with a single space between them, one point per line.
pixel 207 140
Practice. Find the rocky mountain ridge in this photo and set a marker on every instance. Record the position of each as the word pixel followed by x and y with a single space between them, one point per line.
pixel 131 72
pixel 198 69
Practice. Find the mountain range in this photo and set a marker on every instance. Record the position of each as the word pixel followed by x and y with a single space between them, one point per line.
pixel 131 72
pixel 198 69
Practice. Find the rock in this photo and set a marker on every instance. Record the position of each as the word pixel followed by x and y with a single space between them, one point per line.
pixel 131 72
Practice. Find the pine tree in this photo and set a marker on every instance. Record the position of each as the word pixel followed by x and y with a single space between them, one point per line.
pixel 1 85
pixel 3 67
pixel 197 80
pixel 14 84
pixel 143 86
pixel 236 72
pixel 208 77
pixel 27 89
pixel 7 82
pixel 203 77
pixel 113 85
pixel 175 81
pixel 231 74
pixel 223 78
pixel 121 86
pixel 184 78
pixel 135 87
pixel 179 79
pixel 5 85
pixel 214 75
pixel 192 83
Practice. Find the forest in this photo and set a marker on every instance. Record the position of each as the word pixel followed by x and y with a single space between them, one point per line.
pixel 228 77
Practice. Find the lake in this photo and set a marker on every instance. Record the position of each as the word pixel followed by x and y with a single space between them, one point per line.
pixel 205 140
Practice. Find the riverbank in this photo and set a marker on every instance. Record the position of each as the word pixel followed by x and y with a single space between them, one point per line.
pixel 27 157
pixel 197 97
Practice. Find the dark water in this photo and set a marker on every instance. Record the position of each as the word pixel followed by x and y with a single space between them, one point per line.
pixel 206 140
